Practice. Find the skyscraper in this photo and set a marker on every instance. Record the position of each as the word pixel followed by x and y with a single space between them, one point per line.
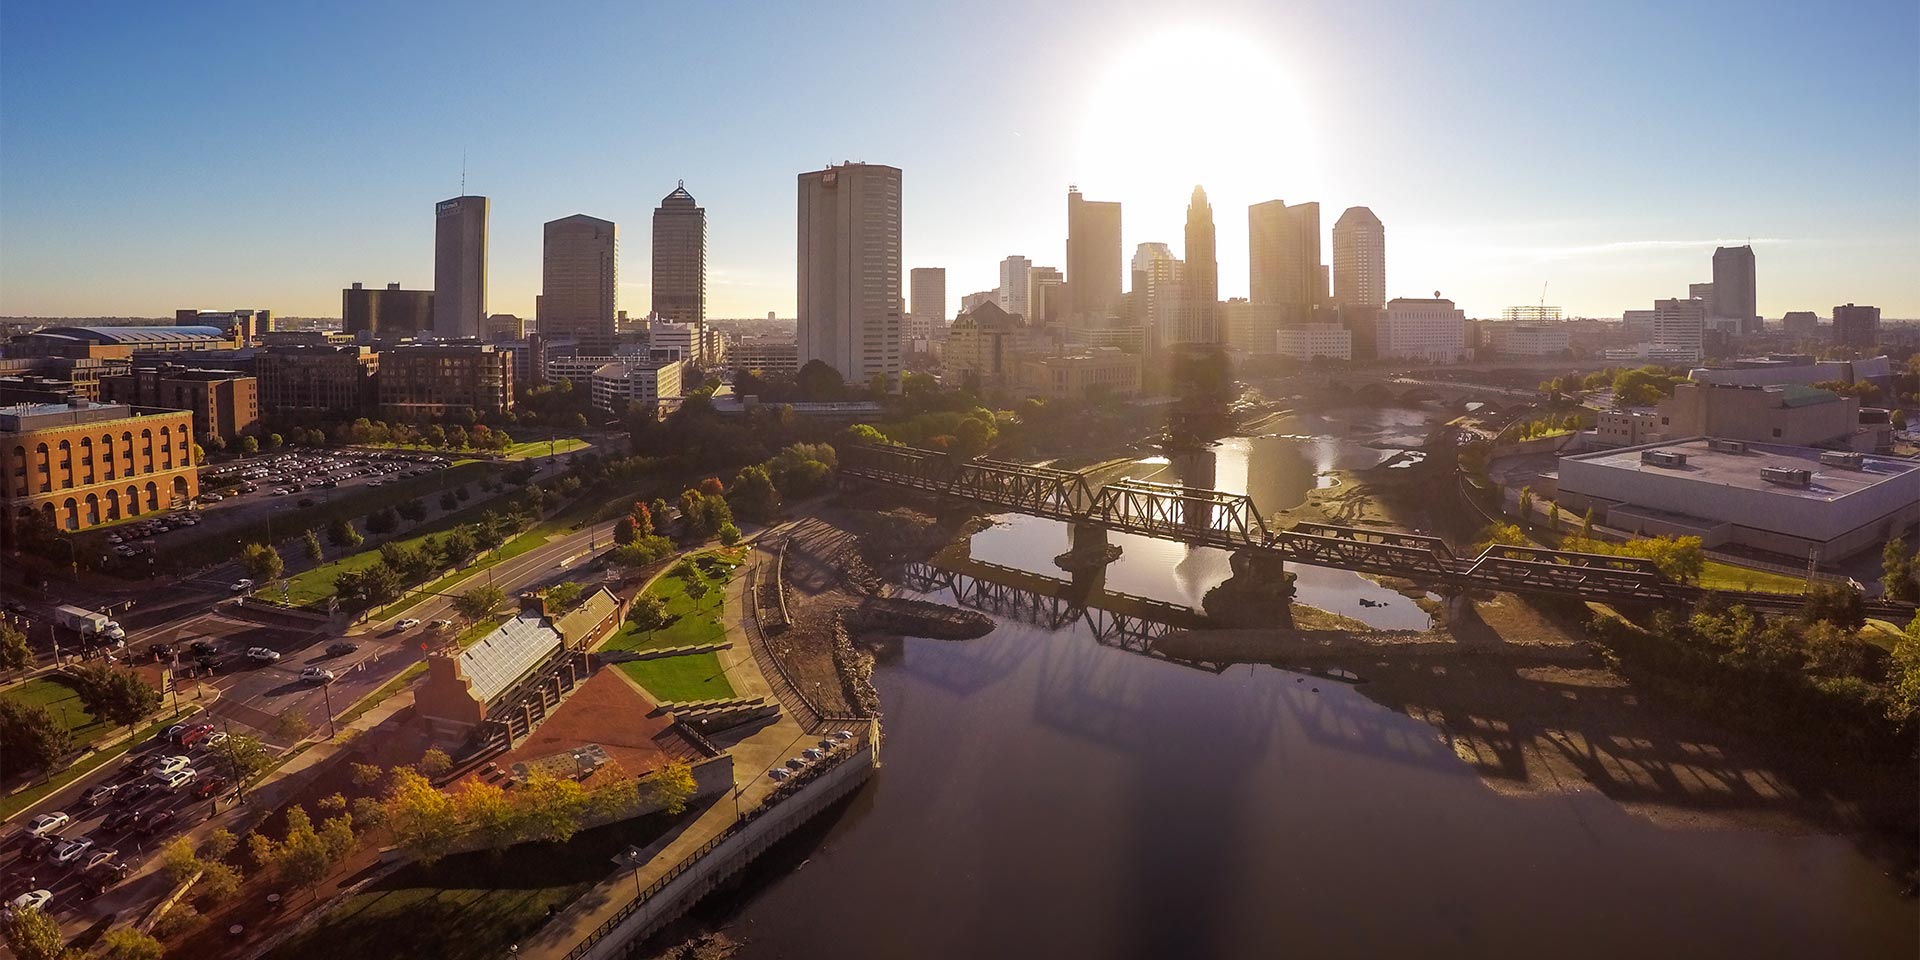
pixel 1359 260
pixel 1283 265
pixel 1093 257
pixel 1733 287
pixel 1680 329
pixel 579 260
pixel 1157 290
pixel 460 267
pixel 928 287
pixel 1043 295
pixel 1856 326
pixel 1013 285
pixel 680 257
pixel 849 271
pixel 1200 318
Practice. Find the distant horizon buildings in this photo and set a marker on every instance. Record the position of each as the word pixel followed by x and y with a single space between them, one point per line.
pixel 1359 260
pixel 579 284
pixel 1093 257
pixel 1856 326
pixel 1734 292
pixel 460 267
pixel 1013 291
pixel 679 257
pixel 848 267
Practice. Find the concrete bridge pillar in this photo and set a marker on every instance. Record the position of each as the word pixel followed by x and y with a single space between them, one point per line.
pixel 1456 607
pixel 1259 594
pixel 1088 549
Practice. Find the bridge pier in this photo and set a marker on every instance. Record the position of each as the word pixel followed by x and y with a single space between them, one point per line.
pixel 1456 607
pixel 1259 594
pixel 1088 549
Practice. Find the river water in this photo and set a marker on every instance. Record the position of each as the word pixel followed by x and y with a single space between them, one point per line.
pixel 1045 795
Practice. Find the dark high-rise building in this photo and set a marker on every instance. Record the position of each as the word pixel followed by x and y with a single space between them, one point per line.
pixel 578 279
pixel 1360 260
pixel 1093 257
pixel 392 313
pixel 849 271
pixel 1733 287
pixel 1856 326
pixel 1200 315
pixel 680 258
pixel 460 267
pixel 1283 259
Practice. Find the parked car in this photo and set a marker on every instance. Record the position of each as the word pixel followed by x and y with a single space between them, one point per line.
pixel 341 648
pixel 242 585
pixel 441 625
pixel 167 766
pixel 811 753
pixel 778 774
pixel 316 675
pixel 101 858
pixel 196 734
pixel 47 823
pixel 35 899
pixel 203 647
pixel 119 820
pixel 795 763
pixel 70 850
pixel 263 654
pixel 100 794
pixel 176 779
pixel 130 793
pixel 210 787
pixel 156 822
pixel 213 740
pixel 173 733
pixel 409 623
pixel 843 736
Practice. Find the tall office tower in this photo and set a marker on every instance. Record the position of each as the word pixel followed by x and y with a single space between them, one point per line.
pixel 1093 257
pixel 1158 276
pixel 849 271
pixel 1679 330
pixel 1013 284
pixel 1856 326
pixel 1283 267
pixel 1359 260
pixel 1733 288
pixel 577 279
pixel 460 267
pixel 680 257
pixel 928 310
pixel 1200 320
pixel 1044 286
pixel 1702 292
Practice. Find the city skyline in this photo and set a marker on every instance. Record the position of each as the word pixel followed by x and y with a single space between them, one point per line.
pixel 95 176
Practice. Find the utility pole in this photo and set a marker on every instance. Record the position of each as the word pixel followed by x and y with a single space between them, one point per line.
pixel 326 690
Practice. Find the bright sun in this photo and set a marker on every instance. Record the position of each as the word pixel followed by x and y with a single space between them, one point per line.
pixel 1196 106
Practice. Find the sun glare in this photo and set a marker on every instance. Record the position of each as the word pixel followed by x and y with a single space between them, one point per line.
pixel 1197 105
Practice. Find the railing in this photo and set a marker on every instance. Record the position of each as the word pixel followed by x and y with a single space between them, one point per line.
pixel 763 656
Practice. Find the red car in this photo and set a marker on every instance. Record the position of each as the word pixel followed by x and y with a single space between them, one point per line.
pixel 195 734
pixel 156 822
pixel 210 787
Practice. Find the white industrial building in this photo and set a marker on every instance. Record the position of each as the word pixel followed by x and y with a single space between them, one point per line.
pixel 1311 340
pixel 1422 329
pixel 631 379
pixel 1526 339
pixel 1782 499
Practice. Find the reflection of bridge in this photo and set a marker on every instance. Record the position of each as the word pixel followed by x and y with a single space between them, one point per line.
pixel 1230 521
pixel 1115 619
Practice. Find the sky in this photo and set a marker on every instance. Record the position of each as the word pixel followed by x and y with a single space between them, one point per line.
pixel 214 155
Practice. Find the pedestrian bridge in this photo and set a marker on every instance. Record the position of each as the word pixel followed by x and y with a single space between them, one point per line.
pixel 1230 521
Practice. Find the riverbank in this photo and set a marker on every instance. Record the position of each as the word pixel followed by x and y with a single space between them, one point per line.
pixel 1515 691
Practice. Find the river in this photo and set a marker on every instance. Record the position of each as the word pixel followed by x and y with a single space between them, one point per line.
pixel 1045 795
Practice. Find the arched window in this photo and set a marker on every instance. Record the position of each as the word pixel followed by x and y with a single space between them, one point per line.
pixel 19 479
pixel 86 460
pixel 113 504
pixel 126 451
pixel 71 511
pixel 133 500
pixel 93 510
pixel 153 495
pixel 66 464
pixel 106 456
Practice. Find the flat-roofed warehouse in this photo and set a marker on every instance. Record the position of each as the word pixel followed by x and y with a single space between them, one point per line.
pixel 1781 499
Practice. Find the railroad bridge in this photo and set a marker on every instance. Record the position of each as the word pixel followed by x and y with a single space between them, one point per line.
pixel 1230 521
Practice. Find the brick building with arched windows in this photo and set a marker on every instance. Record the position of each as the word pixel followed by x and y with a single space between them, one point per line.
pixel 78 464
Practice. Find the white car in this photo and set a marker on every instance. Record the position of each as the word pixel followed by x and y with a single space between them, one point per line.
pixel 263 654
pixel 47 823
pixel 36 899
pixel 316 675
pixel 101 857
pixel 843 736
pixel 70 850
pixel 167 766
pixel 241 586
pixel 409 623
pixel 178 778
pixel 778 773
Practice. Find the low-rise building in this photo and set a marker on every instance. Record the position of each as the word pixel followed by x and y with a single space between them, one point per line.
pixel 1526 339
pixel 1856 326
pixel 1801 324
pixel 1418 328
pixel 769 355
pixel 1624 428
pixel 694 342
pixel 119 343
pixel 1786 414
pixel 78 464
pixel 1312 340
pixel 1788 500
pixel 224 403
pixel 324 382
pixel 629 380
pixel 987 345
pixel 427 379
pixel 390 314
pixel 1102 370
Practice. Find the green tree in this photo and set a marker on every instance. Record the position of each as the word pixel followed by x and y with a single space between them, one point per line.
pixel 341 533
pixel 550 809
pixel 449 502
pixel 1834 603
pixel 115 693
pixel 218 882
pixel 32 737
pixel 562 597
pixel 729 535
pixel 648 612
pixel 1586 525
pixel 421 820
pixel 435 762
pixel 817 381
pixel 865 433
pixel 128 943
pixel 1503 534
pixel 626 531
pixel 670 788
pixel 1526 506
pixel 412 510
pixel 753 494
pixel 249 446
pixel 312 544
pixel 460 545
pixel 292 726
pixel 1897 572
pixel 244 756
pixel 263 562
pixel 1904 705
pixel 15 652
pixel 179 860
pixel 382 521
pixel 479 603
pixel 275 441
pixel 973 437
pixel 32 935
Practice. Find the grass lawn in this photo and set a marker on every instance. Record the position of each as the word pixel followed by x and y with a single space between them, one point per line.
pixel 64 701
pixel 316 584
pixel 16 802
pixel 1726 576
pixel 539 448
pixel 691 619
pixel 470 906
pixel 695 676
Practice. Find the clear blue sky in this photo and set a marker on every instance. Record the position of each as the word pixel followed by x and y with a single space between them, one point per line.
pixel 155 156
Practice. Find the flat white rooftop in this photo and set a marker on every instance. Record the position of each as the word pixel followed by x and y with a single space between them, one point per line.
pixel 1722 468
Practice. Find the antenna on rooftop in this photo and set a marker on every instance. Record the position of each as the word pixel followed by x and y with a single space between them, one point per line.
pixel 463 172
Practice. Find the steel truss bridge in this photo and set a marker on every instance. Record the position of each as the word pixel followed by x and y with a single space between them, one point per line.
pixel 1216 518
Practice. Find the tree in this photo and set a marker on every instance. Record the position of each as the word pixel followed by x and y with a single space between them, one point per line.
pixel 550 809
pixel 1897 572
pixel 435 762
pixel 1586 525
pixel 341 533
pixel 670 788
pixel 15 652
pixel 382 521
pixel 422 820
pixel 729 535
pixel 1526 506
pixel 1503 534
pixel 1834 603
pixel 485 811
pixel 449 502
pixel 32 935
pixel 643 551
pixel 302 857
pixel 115 693
pixel 32 737
pixel 128 943
pixel 460 545
pixel 648 612
pixel 1904 705
pixel 292 726
pixel 218 882
pixel 626 531
pixel 753 494
pixel 864 433
pixel 819 381
pixel 249 446
pixel 412 510
pixel 263 562
pixel 275 441
pixel 562 597
pixel 179 860
pixel 479 603
pixel 244 756
pixel 312 543
pixel 972 437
